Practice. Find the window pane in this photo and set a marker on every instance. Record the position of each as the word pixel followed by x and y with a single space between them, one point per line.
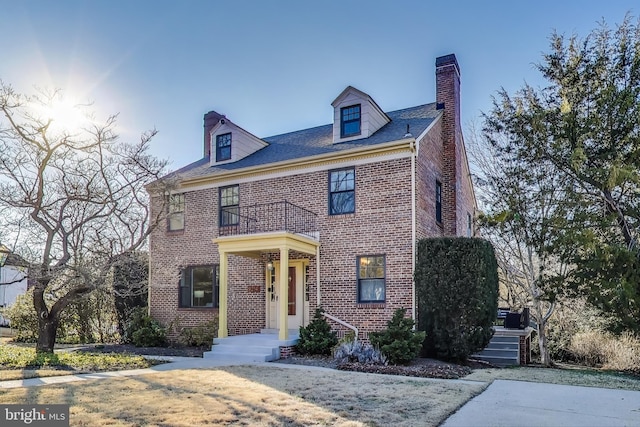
pixel 203 287
pixel 372 267
pixel 223 147
pixel 229 216
pixel 351 128
pixel 372 290
pixel 343 180
pixel 343 202
pixel 229 196
pixel 176 221
pixel 176 203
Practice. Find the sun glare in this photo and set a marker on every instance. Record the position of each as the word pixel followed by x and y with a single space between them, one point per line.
pixel 65 114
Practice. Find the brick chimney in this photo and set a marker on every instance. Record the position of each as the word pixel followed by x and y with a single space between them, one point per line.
pixel 210 120
pixel 448 100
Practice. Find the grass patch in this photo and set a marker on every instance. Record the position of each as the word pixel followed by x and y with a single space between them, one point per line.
pixel 574 376
pixel 254 395
pixel 18 362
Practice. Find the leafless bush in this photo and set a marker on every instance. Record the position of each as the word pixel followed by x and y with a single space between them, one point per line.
pixel 602 349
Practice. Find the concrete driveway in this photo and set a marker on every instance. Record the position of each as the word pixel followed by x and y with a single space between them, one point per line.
pixel 519 403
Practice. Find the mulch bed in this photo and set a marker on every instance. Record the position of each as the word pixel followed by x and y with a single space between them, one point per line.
pixel 422 367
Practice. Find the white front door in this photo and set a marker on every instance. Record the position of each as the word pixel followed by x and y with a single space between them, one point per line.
pixel 295 296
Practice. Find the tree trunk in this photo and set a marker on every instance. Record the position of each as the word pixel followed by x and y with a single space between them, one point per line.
pixel 47 330
pixel 545 358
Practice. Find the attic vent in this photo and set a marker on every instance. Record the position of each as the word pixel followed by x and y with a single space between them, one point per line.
pixel 440 106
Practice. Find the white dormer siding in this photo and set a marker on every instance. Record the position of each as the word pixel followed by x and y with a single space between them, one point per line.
pixel 372 117
pixel 243 143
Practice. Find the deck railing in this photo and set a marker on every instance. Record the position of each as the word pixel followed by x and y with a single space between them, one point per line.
pixel 268 217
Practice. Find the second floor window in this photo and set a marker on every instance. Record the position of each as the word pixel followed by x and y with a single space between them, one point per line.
pixel 438 201
pixel 229 205
pixel 223 147
pixel 342 191
pixel 175 218
pixel 350 121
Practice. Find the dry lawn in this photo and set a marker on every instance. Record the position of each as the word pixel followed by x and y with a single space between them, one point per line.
pixel 256 396
pixel 579 377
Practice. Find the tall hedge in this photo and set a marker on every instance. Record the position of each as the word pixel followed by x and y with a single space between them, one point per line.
pixel 457 295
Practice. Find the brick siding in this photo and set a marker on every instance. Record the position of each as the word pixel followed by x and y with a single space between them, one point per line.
pixel 381 225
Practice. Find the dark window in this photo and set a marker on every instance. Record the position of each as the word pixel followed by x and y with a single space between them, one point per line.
pixel 223 147
pixel 371 278
pixel 469 225
pixel 200 286
pixel 175 218
pixel 342 191
pixel 229 205
pixel 350 121
pixel 438 201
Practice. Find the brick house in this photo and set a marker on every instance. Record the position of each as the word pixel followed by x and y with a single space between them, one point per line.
pixel 261 231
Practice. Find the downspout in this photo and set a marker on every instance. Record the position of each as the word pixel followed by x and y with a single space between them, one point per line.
pixel 317 276
pixel 412 147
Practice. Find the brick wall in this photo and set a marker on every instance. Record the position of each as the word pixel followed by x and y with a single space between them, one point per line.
pixel 380 225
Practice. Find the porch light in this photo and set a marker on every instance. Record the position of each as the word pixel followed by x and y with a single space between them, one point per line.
pixel 270 264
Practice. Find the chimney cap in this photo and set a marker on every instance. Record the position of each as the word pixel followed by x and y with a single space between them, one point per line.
pixel 443 61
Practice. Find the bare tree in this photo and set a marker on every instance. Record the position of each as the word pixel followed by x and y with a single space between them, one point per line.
pixel 519 204
pixel 74 199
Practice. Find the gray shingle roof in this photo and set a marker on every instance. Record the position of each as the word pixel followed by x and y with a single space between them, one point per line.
pixel 319 140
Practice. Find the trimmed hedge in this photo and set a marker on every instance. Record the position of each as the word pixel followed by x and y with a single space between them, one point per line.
pixel 457 295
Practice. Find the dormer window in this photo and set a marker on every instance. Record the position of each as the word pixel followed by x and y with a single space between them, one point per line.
pixel 223 147
pixel 350 121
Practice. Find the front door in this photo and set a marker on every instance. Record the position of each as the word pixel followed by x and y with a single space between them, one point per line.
pixel 295 304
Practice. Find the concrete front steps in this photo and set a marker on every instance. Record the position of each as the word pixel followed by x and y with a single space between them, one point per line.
pixel 262 347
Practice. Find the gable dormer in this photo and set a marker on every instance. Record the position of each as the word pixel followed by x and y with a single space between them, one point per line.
pixel 356 116
pixel 230 143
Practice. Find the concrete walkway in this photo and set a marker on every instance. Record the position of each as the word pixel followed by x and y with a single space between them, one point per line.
pixel 519 404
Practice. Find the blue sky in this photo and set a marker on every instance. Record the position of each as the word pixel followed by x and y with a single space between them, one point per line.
pixel 275 66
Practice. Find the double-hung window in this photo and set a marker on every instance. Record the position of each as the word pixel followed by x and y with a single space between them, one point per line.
pixel 175 217
pixel 371 278
pixel 223 147
pixel 200 286
pixel 342 191
pixel 439 201
pixel 350 121
pixel 229 205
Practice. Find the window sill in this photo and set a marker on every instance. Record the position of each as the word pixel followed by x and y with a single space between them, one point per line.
pixel 372 305
pixel 197 308
pixel 175 232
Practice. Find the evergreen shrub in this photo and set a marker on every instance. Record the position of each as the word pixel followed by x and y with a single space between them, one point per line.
pixel 457 295
pixel 399 343
pixel 317 337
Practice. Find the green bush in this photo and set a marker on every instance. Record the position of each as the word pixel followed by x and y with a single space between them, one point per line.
pixel 24 322
pixel 144 331
pixel 317 337
pixel 199 336
pixel 457 295
pixel 399 343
